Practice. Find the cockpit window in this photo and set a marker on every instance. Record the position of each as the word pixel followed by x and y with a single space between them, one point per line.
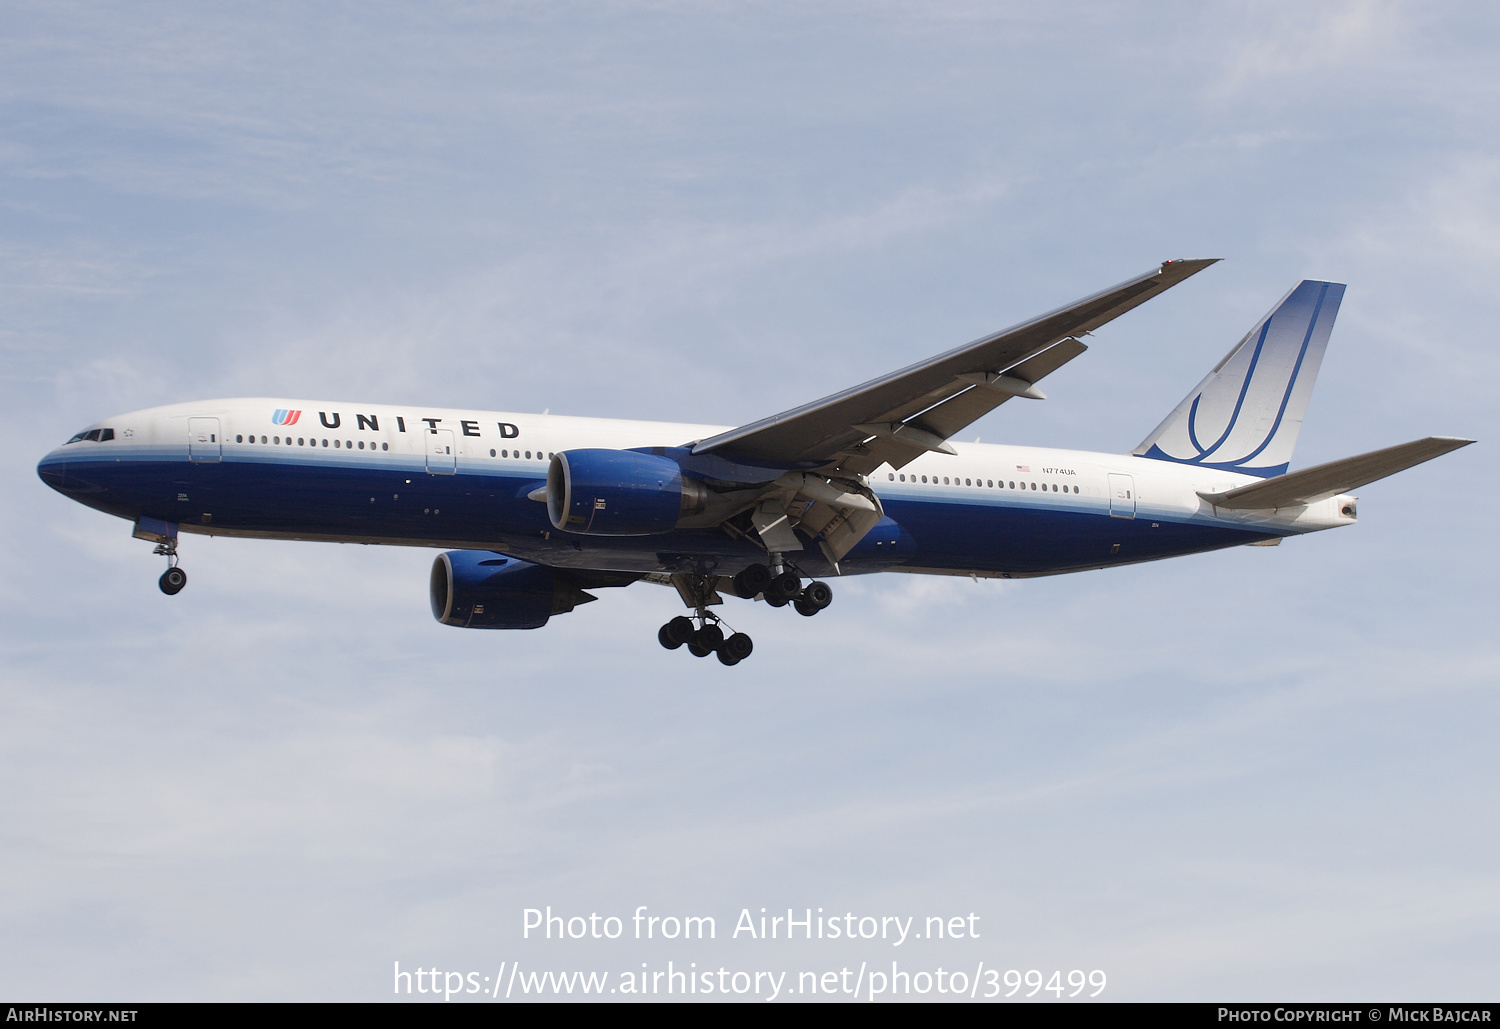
pixel 93 435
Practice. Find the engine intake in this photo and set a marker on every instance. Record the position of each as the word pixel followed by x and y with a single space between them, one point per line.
pixel 619 493
pixel 479 589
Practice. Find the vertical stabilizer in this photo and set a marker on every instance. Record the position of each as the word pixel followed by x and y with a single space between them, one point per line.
pixel 1246 415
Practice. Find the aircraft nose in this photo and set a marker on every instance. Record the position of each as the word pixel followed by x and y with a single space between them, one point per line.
pixel 50 470
pixel 55 472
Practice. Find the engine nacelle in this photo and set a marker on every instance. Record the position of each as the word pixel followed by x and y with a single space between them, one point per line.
pixel 479 589
pixel 619 493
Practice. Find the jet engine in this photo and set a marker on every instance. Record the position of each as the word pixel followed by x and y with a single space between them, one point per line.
pixel 479 589
pixel 619 493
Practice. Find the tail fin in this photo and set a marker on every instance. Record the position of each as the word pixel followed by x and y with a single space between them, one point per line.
pixel 1245 416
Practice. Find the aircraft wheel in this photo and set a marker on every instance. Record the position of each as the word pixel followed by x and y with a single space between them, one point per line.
pixel 751 581
pixel 786 586
pixel 806 608
pixel 172 581
pixel 735 649
pixel 775 601
pixel 676 632
pixel 697 649
pixel 664 637
pixel 818 594
pixel 710 637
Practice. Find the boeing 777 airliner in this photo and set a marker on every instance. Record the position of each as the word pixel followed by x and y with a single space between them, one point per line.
pixel 533 510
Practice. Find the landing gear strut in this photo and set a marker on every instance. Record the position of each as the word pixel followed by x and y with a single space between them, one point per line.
pixel 174 578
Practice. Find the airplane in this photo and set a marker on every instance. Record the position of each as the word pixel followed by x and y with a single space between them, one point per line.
pixel 532 511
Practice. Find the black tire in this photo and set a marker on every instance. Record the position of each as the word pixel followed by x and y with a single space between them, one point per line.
pixel 726 659
pixel 818 594
pixel 806 608
pixel 775 601
pixel 786 586
pixel 697 650
pixel 172 581
pixel 665 638
pixel 679 630
pixel 738 647
pixel 751 581
pixel 709 637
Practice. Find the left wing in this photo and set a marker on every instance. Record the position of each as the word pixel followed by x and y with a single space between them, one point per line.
pixel 898 417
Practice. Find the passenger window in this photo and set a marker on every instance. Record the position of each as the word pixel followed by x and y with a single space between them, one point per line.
pixel 891 476
pixel 492 453
pixel 276 440
pixel 991 483
pixel 299 441
pixel 385 446
pixel 528 455
pixel 239 439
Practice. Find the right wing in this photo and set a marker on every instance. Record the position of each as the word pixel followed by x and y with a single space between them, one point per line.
pixel 898 417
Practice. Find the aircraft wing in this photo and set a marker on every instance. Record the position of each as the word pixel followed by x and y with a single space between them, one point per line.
pixel 898 417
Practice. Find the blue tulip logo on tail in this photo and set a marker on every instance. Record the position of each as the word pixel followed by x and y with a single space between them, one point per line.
pixel 285 417
pixel 1245 416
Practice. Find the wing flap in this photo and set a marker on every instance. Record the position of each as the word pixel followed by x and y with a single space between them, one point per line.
pixel 1322 481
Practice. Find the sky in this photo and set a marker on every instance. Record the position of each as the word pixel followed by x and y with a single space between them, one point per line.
pixel 1258 774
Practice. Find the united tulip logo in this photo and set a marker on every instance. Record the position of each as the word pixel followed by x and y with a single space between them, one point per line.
pixel 285 417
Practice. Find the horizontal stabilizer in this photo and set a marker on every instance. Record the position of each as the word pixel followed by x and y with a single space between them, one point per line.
pixel 1329 480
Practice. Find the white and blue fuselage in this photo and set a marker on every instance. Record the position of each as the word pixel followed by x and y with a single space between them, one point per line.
pixel 413 476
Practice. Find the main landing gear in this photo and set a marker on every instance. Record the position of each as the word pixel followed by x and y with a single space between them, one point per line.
pixel 782 588
pixel 703 634
pixel 174 578
pixel 705 639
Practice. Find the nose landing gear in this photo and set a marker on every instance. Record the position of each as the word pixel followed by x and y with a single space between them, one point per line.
pixel 174 578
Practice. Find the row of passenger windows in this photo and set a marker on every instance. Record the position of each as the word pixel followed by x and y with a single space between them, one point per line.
pixel 517 455
pixel 301 441
pixel 985 483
